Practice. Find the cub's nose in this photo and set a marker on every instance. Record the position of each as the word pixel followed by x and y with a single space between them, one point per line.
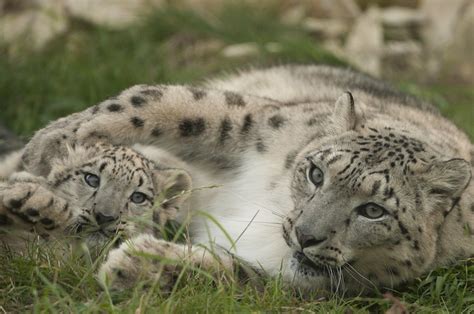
pixel 103 219
pixel 307 240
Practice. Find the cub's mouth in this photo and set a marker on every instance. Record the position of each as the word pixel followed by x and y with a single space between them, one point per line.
pixel 308 267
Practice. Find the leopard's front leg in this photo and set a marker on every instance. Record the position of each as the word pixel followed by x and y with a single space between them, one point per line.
pixel 28 206
pixel 161 262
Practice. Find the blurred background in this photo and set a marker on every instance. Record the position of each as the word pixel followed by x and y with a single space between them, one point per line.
pixel 60 56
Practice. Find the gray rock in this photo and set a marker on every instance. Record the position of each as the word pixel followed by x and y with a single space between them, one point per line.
pixel 364 45
pixel 326 28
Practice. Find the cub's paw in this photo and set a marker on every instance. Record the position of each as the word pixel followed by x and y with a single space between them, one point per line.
pixel 143 259
pixel 31 204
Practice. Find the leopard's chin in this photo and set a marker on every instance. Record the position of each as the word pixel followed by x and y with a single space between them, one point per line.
pixel 305 266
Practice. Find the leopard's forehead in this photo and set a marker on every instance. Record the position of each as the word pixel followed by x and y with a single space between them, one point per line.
pixel 125 156
pixel 384 149
pixel 120 163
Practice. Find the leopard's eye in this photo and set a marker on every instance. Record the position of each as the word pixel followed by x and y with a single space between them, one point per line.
pixel 92 180
pixel 316 175
pixel 371 211
pixel 138 198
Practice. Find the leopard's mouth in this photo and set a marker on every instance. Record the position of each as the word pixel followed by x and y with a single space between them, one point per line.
pixel 308 267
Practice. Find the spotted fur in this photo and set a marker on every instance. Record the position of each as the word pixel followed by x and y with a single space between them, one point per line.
pixel 261 134
pixel 64 203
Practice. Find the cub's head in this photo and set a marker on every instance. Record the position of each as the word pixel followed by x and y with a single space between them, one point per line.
pixel 369 203
pixel 116 190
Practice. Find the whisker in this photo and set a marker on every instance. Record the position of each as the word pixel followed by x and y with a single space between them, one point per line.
pixel 359 274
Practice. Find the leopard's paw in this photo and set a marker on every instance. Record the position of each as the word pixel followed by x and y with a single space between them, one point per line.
pixel 144 260
pixel 32 204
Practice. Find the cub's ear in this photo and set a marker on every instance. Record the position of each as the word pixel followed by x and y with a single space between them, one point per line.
pixel 449 178
pixel 344 117
pixel 173 183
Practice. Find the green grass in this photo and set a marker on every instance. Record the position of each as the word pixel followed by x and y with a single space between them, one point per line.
pixel 88 65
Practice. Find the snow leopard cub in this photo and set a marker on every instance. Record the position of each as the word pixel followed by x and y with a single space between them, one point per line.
pixel 94 192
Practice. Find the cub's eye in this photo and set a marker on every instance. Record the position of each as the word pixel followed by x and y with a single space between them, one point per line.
pixel 316 175
pixel 92 180
pixel 371 211
pixel 138 197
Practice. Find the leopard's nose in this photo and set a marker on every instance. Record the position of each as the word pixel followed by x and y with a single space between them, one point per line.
pixel 307 240
pixel 103 219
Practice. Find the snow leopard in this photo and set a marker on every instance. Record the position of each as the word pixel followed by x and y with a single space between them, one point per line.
pixel 94 193
pixel 328 178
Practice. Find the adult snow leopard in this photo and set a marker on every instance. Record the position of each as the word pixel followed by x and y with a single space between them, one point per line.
pixel 329 178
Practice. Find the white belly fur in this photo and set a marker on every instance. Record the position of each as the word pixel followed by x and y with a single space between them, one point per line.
pixel 249 213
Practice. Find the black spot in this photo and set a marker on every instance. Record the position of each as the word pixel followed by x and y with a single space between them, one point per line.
pixel 155 93
pixel 197 93
pixel 137 101
pixel 32 212
pixel 5 220
pixel 290 159
pixel 15 204
pixel 247 125
pixel 114 107
pixel 46 221
pixel 192 127
pixel 416 245
pixel 156 132
pixel 403 229
pixel 137 122
pixel 408 263
pixel 260 145
pixel 102 167
pixel 225 128
pixel 234 99
pixel 392 271
pixel 276 121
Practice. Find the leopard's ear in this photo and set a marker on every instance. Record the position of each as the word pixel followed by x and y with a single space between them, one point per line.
pixel 345 117
pixel 174 185
pixel 448 178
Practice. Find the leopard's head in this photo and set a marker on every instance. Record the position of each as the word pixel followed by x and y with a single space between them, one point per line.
pixel 369 203
pixel 117 190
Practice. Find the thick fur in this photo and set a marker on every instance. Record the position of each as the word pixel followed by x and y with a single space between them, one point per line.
pixel 259 136
pixel 64 203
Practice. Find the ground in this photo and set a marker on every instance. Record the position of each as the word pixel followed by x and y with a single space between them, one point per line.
pixel 88 65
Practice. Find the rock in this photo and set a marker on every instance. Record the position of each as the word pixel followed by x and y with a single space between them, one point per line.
pixel 294 14
pixel 449 39
pixel 364 45
pixel 458 58
pixel 442 17
pixel 326 28
pixel 240 50
pixel 33 27
pixel 403 60
pixel 115 14
pixel 339 9
pixel 402 17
